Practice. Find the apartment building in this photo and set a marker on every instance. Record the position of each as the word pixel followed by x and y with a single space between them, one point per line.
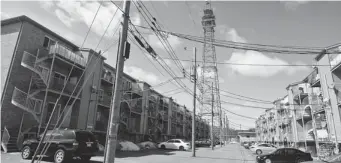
pixel 312 109
pixel 36 63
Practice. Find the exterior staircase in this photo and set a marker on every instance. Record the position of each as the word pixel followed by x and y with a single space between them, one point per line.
pixel 12 143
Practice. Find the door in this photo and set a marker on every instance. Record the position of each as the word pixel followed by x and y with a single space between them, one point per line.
pixel 177 144
pixel 291 155
pixel 268 148
pixel 169 144
pixel 279 156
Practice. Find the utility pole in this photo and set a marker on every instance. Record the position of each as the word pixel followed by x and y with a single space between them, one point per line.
pixel 221 128
pixel 110 152
pixel 212 115
pixel 194 100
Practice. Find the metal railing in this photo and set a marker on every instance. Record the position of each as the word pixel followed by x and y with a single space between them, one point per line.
pixel 57 84
pixel 22 99
pixel 108 78
pixel 136 105
pixel 105 100
pixel 335 59
pixel 68 54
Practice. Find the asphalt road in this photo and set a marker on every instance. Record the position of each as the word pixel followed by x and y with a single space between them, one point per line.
pixel 231 153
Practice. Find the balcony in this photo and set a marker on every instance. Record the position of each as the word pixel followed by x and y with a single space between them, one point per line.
pixel 57 84
pixel 105 99
pixel 107 78
pixel 135 105
pixel 67 54
pixel 134 88
pixel 314 79
pixel 335 60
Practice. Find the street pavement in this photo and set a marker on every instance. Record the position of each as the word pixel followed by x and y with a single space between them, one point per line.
pixel 231 153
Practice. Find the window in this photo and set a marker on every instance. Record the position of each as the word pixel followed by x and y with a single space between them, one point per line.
pixel 48 42
pixel 98 116
pixel 100 95
pixel 170 141
pixel 177 141
pixel 291 151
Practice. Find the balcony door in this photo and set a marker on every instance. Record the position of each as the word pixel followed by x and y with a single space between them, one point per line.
pixel 55 115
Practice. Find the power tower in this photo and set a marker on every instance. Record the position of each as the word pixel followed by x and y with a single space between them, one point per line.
pixel 209 80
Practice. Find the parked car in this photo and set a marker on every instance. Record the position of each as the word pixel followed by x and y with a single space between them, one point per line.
pixel 332 159
pixel 246 145
pixel 284 155
pixel 263 148
pixel 65 144
pixel 175 144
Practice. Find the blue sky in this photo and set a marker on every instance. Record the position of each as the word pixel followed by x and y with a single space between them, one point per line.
pixel 297 23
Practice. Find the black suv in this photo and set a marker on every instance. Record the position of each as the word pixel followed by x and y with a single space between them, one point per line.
pixel 65 144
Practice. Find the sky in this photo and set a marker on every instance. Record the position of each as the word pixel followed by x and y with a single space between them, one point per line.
pixel 294 23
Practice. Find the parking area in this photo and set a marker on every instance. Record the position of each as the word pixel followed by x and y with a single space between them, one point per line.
pixel 231 153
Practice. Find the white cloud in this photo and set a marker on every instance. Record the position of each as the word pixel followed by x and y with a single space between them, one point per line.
pixel 142 75
pixel 84 12
pixel 253 57
pixel 4 15
pixel 47 5
pixel 293 5
pixel 64 18
pixel 173 41
pixel 233 35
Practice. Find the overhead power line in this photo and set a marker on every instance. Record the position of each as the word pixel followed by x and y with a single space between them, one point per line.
pixel 252 64
pixel 249 46
pixel 238 114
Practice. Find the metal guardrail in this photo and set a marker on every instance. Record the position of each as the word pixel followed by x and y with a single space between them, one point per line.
pixel 68 54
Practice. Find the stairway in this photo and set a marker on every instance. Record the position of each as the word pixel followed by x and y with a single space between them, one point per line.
pixel 12 143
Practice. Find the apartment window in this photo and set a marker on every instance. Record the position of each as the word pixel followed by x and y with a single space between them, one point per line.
pixel 98 116
pixel 48 42
pixel 100 94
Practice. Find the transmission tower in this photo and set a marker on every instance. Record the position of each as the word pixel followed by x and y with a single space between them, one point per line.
pixel 209 81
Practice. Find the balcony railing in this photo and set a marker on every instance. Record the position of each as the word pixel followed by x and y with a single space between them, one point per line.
pixel 136 105
pixel 67 54
pixel 23 101
pixel 57 84
pixel 105 100
pixel 335 59
pixel 108 78
pixel 314 78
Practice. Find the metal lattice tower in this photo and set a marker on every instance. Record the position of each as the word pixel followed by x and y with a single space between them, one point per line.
pixel 209 71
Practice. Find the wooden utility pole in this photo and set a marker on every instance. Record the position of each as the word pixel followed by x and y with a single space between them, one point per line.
pixel 194 100
pixel 221 128
pixel 212 115
pixel 110 152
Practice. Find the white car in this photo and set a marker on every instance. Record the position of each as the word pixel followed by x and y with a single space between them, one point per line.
pixel 175 144
pixel 263 148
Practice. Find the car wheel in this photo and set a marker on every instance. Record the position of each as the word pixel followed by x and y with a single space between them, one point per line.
pixel 259 152
pixel 26 153
pixel 267 161
pixel 85 158
pixel 298 160
pixel 147 147
pixel 181 148
pixel 59 156
pixel 163 147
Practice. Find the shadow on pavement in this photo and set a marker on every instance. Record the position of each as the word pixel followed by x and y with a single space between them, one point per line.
pixel 124 154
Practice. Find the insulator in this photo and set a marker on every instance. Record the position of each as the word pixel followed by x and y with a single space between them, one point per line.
pixel 139 41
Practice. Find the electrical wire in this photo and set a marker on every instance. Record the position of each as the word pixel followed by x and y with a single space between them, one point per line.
pixel 238 114
pixel 69 75
pixel 251 64
pixel 248 46
pixel 190 13
pixel 46 146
